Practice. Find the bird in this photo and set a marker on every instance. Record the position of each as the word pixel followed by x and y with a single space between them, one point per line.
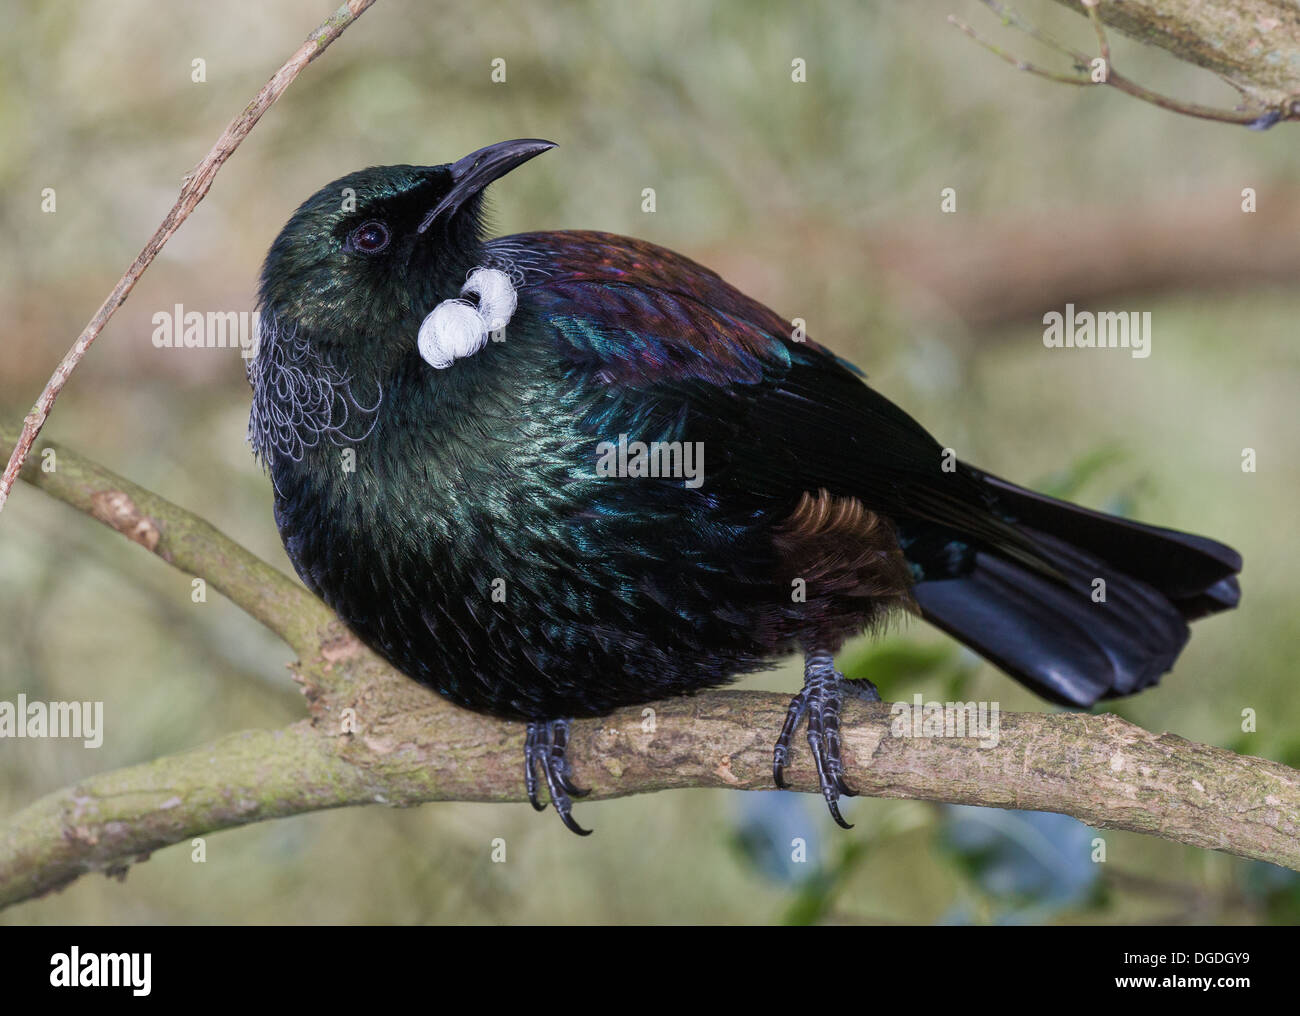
pixel 552 474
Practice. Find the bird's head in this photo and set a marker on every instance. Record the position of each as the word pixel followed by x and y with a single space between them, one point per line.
pixel 369 255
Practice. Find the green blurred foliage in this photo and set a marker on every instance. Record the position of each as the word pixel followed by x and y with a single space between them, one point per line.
pixel 775 185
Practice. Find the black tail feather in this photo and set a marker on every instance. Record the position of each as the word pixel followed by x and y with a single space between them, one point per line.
pixel 1180 565
pixel 1075 639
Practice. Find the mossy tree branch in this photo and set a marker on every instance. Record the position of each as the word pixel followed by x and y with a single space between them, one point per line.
pixel 374 736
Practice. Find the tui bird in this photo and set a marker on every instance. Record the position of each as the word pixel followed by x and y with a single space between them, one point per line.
pixel 552 474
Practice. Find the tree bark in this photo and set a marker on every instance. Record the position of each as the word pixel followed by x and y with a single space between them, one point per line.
pixel 1255 44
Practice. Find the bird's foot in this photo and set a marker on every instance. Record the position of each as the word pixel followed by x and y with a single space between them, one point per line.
pixel 819 702
pixel 544 748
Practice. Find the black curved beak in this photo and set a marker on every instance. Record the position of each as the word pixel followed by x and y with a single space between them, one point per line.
pixel 478 169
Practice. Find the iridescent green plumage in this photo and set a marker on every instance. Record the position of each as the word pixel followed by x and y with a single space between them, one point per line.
pixel 470 536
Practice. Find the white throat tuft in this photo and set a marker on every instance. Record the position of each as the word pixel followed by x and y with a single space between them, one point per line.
pixel 458 328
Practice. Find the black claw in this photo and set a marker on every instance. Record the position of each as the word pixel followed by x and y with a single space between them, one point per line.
pixel 571 825
pixel 820 702
pixel 569 787
pixel 544 749
pixel 835 814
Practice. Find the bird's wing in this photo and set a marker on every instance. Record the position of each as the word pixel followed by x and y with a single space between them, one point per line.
pixel 644 314
pixel 676 351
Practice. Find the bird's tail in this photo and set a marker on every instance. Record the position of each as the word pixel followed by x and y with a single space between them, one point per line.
pixel 1102 612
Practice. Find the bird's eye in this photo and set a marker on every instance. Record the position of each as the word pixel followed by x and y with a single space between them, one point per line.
pixel 370 237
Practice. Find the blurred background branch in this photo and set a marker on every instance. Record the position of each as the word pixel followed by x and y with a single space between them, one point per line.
pixel 1088 256
pixel 376 737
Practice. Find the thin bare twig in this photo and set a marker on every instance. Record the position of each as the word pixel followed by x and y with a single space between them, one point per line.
pixel 1103 43
pixel 193 190
pixel 1018 63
